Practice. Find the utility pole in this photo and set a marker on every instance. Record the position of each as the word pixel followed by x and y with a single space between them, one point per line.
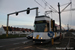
pixel 7 25
pixel 59 18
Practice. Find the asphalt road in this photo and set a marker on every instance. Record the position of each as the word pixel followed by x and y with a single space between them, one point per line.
pixel 12 41
pixel 13 45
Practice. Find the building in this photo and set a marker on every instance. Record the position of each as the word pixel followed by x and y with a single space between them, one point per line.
pixel 15 30
pixel 58 27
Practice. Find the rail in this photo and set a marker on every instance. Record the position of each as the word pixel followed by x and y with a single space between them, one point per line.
pixel 68 45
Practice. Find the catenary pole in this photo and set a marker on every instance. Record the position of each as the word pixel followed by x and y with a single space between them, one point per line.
pixel 59 17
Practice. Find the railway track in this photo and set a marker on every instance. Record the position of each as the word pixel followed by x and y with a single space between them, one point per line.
pixel 71 43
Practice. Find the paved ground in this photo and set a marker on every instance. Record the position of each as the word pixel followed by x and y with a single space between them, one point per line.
pixel 11 40
pixel 47 46
pixel 31 46
pixel 6 43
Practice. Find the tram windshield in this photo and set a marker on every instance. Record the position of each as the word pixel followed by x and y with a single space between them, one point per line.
pixel 41 27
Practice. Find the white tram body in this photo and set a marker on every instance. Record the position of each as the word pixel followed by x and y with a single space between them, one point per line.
pixel 42 26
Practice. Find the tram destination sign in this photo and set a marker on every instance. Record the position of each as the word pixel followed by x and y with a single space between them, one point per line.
pixel 42 21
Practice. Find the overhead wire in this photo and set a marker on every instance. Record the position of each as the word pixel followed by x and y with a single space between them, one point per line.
pixel 66 7
pixel 46 4
pixel 70 15
pixel 71 12
pixel 50 7
pixel 64 4
pixel 39 4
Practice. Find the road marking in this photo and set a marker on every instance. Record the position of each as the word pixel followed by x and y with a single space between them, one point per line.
pixel 26 41
pixel 22 42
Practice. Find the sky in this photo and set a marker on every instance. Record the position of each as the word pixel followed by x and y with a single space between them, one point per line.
pixel 23 19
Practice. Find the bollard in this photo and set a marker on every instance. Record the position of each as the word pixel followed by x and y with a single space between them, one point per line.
pixel 52 41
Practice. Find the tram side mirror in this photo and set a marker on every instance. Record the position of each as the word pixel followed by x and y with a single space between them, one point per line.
pixel 53 25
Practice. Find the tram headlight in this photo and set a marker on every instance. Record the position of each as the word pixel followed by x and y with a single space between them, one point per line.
pixel 41 37
pixel 33 41
pixel 33 37
pixel 41 42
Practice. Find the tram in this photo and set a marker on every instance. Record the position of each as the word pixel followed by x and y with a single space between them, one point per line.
pixel 42 25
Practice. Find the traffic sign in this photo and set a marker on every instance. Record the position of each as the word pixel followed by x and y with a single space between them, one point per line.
pixel 50 34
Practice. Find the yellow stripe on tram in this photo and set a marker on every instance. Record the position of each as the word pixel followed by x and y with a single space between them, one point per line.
pixel 55 34
pixel 37 36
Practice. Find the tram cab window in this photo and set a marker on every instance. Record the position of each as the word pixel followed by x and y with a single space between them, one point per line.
pixel 41 27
